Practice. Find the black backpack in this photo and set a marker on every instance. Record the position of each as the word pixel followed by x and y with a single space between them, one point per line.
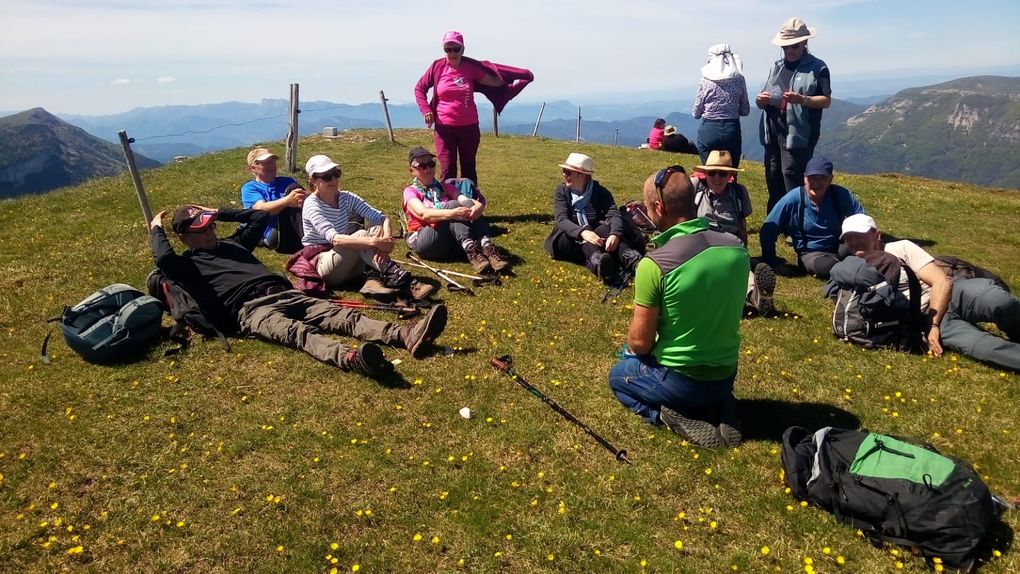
pixel 956 268
pixel 112 324
pixel 185 310
pixel 871 311
pixel 892 490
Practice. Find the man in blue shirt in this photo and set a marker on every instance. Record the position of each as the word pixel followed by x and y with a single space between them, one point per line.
pixel 811 216
pixel 281 197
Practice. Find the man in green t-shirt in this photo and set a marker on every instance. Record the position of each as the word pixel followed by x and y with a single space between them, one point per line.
pixel 683 343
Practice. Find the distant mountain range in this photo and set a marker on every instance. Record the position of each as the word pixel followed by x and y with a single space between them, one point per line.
pixel 965 129
pixel 42 152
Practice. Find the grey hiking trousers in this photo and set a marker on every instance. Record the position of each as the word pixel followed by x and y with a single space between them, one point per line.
pixel 298 321
pixel 982 301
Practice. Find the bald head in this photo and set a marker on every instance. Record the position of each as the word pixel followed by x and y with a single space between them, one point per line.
pixel 676 199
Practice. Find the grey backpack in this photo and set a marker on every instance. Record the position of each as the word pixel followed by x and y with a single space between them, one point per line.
pixel 113 323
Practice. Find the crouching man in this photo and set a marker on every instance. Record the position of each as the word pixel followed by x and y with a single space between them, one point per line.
pixel 683 343
pixel 239 294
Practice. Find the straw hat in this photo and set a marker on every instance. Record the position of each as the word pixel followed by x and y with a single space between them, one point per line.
pixel 793 31
pixel 580 163
pixel 718 160
pixel 670 130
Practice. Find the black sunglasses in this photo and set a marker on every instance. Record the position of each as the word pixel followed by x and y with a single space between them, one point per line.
pixel 329 175
pixel 663 176
pixel 424 165
pixel 452 49
pixel 716 173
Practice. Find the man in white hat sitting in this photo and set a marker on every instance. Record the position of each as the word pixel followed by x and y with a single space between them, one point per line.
pixel 589 227
pixel 954 307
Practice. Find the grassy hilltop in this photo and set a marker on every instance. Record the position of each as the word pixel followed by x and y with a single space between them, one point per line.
pixel 263 460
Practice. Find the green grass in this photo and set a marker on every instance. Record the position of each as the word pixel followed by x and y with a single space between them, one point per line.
pixel 261 459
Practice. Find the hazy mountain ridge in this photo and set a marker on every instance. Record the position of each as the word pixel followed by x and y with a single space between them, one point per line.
pixel 964 130
pixel 43 152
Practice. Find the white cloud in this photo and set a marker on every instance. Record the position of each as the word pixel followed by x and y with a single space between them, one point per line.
pixel 166 80
pixel 120 82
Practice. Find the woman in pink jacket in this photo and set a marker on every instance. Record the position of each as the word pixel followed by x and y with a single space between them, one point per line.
pixel 454 81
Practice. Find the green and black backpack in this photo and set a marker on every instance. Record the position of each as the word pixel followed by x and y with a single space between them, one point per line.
pixel 892 490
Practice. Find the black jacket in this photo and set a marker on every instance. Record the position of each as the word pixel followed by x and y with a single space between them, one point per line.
pixel 601 210
pixel 224 278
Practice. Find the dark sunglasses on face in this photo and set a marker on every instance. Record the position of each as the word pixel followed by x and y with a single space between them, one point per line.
pixel 424 165
pixel 329 175
pixel 452 49
pixel 716 173
pixel 569 173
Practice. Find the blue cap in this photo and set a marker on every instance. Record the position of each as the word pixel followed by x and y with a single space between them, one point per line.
pixel 818 166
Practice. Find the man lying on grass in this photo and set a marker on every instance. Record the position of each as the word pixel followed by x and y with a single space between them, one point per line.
pixel 683 343
pixel 239 294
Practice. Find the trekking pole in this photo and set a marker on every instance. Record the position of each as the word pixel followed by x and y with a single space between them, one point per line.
pixel 401 310
pixel 475 279
pixel 614 291
pixel 505 364
pixel 450 283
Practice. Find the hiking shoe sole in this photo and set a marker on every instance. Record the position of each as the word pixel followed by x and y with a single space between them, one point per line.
pixel 701 433
pixel 765 286
pixel 370 361
pixel 433 324
pixel 729 425
pixel 607 269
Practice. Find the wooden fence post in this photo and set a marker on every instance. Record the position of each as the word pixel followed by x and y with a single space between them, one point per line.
pixel 577 138
pixel 386 111
pixel 292 132
pixel 495 122
pixel 143 201
pixel 534 132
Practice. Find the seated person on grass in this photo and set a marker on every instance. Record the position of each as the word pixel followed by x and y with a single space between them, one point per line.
pixel 441 218
pixel 589 228
pixel 683 343
pixel 340 250
pixel 280 196
pixel 954 307
pixel 810 215
pixel 673 141
pixel 726 205
pixel 239 294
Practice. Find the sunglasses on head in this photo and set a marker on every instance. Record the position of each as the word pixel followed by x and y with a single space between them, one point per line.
pixel 329 175
pixel 662 177
pixel 452 49
pixel 424 165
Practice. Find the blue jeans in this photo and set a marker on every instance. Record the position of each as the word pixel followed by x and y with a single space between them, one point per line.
pixel 720 135
pixel 643 386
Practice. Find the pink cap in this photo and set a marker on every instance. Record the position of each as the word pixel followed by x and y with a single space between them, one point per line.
pixel 453 37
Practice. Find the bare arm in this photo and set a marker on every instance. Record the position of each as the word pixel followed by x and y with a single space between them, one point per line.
pixel 941 291
pixel 643 326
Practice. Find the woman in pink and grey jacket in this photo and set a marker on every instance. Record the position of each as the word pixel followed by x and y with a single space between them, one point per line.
pixel 454 80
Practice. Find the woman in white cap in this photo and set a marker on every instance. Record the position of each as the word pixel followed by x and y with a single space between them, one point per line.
pixel 792 100
pixel 337 221
pixel 454 80
pixel 590 229
pixel 721 100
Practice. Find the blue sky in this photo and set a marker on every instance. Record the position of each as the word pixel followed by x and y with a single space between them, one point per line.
pixel 108 56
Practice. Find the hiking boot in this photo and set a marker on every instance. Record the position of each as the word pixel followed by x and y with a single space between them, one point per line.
pixel 374 288
pixel 367 359
pixel 418 336
pixel 491 252
pixel 699 432
pixel 392 275
pixel 420 290
pixel 729 426
pixel 477 259
pixel 629 258
pixel 764 287
pixel 607 269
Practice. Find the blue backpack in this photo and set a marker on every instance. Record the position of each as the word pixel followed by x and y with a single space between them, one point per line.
pixel 113 323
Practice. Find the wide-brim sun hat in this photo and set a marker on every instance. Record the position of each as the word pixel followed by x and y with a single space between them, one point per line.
pixel 580 163
pixel 793 31
pixel 718 160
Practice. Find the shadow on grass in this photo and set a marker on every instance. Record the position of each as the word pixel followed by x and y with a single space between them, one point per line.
pixel 522 218
pixel 766 419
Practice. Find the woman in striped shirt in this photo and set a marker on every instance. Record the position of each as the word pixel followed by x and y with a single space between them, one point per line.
pixel 356 235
